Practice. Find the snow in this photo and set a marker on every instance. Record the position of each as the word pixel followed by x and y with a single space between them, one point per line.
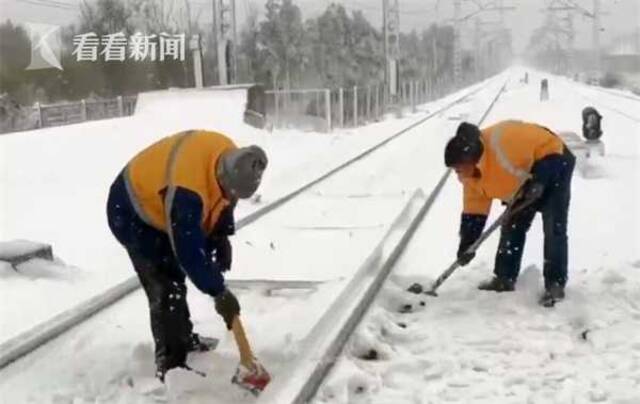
pixel 463 346
pixel 103 346
pixel 57 181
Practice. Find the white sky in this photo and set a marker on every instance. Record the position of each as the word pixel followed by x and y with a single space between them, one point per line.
pixel 622 18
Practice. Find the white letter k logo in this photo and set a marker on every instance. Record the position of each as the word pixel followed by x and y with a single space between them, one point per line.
pixel 45 46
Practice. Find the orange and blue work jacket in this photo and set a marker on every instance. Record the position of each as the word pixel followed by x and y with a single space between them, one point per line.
pixel 514 152
pixel 511 148
pixel 173 188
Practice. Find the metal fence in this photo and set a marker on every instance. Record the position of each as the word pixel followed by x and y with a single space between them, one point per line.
pixel 84 110
pixel 319 109
pixel 302 109
pixel 323 109
pixel 65 113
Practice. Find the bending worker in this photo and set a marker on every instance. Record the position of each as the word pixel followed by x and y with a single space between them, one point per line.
pixel 172 210
pixel 492 163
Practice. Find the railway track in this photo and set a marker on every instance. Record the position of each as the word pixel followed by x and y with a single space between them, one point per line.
pixel 613 93
pixel 320 350
pixel 30 340
pixel 383 257
pixel 634 116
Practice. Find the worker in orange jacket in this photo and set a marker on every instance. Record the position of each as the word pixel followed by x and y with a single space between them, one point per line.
pixel 171 207
pixel 495 163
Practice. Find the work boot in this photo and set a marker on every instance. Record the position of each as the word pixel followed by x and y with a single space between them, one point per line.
pixel 553 293
pixel 202 344
pixel 496 284
pixel 161 371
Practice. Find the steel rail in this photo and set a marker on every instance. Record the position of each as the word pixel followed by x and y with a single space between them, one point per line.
pixel 320 350
pixel 30 340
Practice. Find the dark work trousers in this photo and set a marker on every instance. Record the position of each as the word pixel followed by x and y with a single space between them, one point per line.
pixel 161 278
pixel 554 206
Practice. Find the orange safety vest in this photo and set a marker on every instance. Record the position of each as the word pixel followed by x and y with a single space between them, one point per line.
pixel 187 160
pixel 510 150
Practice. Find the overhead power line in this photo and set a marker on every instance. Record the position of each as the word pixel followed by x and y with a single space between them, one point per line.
pixel 51 4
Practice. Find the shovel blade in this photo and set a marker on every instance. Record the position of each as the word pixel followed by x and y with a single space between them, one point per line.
pixel 252 380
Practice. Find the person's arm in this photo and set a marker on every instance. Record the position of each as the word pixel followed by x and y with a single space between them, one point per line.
pixel 190 246
pixel 218 242
pixel 189 241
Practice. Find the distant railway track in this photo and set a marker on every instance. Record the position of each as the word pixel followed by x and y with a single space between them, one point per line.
pixel 580 88
pixel 635 118
pixel 615 94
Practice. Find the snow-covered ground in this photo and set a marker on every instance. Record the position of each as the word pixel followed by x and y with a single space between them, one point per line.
pixel 322 236
pixel 55 182
pixel 464 346
pixel 470 346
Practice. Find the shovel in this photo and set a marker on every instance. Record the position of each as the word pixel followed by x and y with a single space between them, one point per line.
pixel 250 374
pixel 511 210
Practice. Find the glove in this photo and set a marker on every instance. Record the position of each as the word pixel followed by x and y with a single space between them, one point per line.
pixel 223 253
pixel 465 257
pixel 532 191
pixel 227 306
pixel 471 226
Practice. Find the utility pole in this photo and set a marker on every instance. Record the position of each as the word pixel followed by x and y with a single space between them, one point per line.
pixel 596 35
pixel 222 77
pixel 595 15
pixel 477 51
pixel 234 49
pixel 196 51
pixel 457 26
pixel 457 43
pixel 224 34
pixel 434 42
pixel 505 35
pixel 571 35
pixel 391 30
pixel 563 35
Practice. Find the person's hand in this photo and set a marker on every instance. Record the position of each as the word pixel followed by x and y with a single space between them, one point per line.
pixel 227 306
pixel 531 193
pixel 471 227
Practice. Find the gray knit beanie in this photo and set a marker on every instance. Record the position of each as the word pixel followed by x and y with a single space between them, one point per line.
pixel 240 171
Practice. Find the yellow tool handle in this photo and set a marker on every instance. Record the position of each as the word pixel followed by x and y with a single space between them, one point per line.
pixel 246 355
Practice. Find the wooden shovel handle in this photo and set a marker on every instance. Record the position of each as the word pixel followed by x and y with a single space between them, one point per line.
pixel 246 354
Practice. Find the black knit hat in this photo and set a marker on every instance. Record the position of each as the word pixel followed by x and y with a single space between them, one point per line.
pixel 465 147
pixel 240 171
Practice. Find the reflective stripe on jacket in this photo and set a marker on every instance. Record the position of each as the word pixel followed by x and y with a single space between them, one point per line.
pixel 510 150
pixel 172 186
